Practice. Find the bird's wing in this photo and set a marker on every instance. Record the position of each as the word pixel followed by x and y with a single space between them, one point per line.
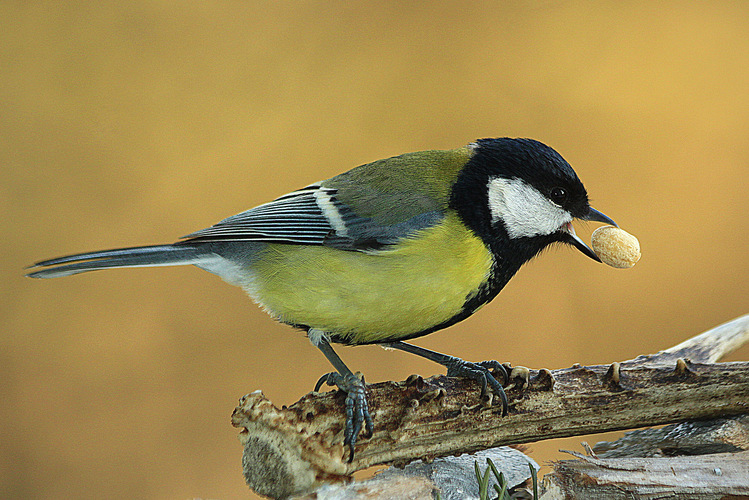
pixel 313 215
pixel 369 207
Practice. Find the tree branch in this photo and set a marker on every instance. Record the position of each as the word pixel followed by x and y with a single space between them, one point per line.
pixel 702 477
pixel 295 449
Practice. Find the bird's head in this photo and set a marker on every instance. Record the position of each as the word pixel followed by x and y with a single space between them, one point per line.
pixel 520 196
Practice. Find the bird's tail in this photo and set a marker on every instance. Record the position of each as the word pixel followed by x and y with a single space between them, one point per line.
pixel 158 255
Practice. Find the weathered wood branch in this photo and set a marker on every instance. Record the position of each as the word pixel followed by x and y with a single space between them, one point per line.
pixel 702 437
pixel 293 449
pixel 707 347
pixel 703 477
pixel 453 477
pixel 701 460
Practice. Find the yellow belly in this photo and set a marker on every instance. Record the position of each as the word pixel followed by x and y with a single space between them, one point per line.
pixel 365 297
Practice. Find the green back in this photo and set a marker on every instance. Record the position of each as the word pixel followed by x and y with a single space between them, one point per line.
pixel 394 190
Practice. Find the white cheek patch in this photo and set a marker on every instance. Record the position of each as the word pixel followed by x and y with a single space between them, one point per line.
pixel 523 209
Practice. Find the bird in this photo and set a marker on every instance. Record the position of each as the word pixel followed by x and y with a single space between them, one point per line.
pixel 386 252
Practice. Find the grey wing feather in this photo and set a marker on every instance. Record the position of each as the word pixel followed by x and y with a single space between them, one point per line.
pixel 311 216
pixel 293 218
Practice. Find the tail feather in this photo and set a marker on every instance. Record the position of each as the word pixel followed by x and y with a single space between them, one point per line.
pixel 158 255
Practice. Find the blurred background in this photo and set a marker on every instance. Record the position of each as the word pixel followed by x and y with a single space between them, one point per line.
pixel 129 123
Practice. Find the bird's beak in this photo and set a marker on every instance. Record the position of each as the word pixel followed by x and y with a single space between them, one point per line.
pixel 575 241
pixel 597 216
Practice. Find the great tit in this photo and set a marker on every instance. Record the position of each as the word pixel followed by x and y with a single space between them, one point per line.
pixel 388 251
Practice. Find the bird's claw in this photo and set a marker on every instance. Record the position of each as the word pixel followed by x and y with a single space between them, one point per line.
pixel 482 373
pixel 357 408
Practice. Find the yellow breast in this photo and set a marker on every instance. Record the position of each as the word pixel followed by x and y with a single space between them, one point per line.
pixel 366 297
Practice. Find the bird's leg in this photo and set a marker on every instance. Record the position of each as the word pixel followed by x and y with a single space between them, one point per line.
pixel 357 408
pixel 457 367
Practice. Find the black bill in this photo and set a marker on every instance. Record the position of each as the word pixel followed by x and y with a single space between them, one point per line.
pixel 575 241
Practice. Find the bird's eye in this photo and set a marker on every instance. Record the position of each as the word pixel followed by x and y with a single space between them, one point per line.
pixel 558 195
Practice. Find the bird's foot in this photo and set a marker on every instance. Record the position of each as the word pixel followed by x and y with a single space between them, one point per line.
pixel 484 372
pixel 357 408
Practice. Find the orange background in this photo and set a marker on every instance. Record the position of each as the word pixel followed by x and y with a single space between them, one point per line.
pixel 127 123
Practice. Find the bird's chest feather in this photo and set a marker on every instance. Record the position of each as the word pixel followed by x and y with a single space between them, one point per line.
pixel 423 281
